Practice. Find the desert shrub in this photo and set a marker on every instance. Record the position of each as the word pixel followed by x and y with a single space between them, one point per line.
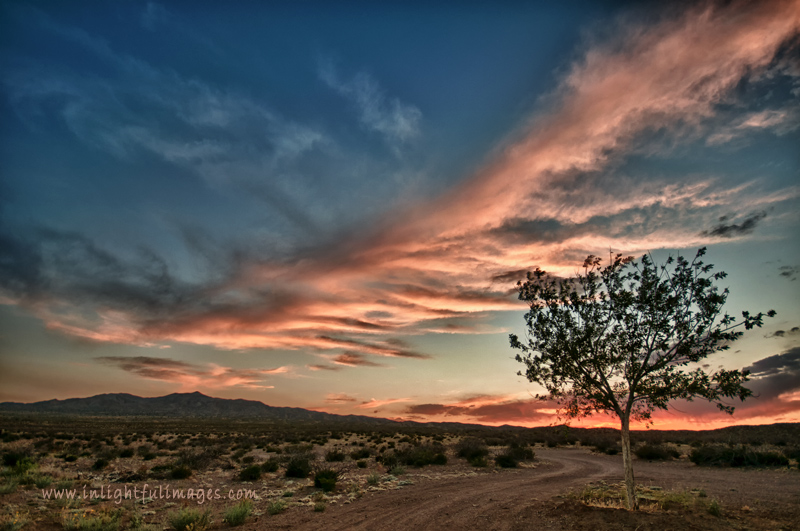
pixel 237 514
pixel 251 473
pixel 361 464
pixel 126 452
pixel 298 466
pixel 276 507
pixel 325 479
pixel 64 484
pixel 91 520
pixel 189 519
pixel 270 465
pixel 656 452
pixel 14 521
pixel 144 449
pixel 180 472
pixel 604 445
pixel 792 453
pixel 42 481
pixel 388 460
pixel 397 471
pixel 735 456
pixel 419 456
pixel 335 455
pixel 100 464
pixel 11 459
pixel 8 487
pixel 478 461
pixel 471 448
pixel 519 452
pixel 506 461
pixel 439 459
pixel 160 471
pixel 361 453
pixel 714 508
pixel 199 460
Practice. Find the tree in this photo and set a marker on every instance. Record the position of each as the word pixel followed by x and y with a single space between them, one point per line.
pixel 629 338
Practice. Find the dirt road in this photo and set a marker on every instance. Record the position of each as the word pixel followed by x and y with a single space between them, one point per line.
pixel 524 499
pixel 490 501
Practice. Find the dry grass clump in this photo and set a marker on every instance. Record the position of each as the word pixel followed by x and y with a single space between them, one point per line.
pixel 650 498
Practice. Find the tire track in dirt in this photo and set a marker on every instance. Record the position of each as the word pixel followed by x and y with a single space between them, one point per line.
pixel 487 501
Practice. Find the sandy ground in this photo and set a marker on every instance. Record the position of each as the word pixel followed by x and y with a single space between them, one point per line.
pixel 460 497
pixel 530 498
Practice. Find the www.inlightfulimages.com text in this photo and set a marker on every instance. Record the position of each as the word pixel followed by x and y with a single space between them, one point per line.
pixel 145 492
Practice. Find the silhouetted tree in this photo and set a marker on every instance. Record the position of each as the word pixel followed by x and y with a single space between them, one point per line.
pixel 628 338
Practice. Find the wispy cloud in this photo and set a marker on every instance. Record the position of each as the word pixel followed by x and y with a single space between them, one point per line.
pixel 226 138
pixel 486 409
pixel 549 198
pixel 726 228
pixel 398 122
pixel 340 398
pixel 153 15
pixel 377 404
pixel 190 375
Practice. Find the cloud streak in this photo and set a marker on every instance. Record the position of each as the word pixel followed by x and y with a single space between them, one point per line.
pixel 190 375
pixel 397 122
pixel 548 198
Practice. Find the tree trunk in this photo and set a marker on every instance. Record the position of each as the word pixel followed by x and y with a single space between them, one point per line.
pixel 627 462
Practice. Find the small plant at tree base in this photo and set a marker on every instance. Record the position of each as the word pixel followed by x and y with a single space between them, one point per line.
pixel 620 340
pixel 237 514
pixel 189 519
pixel 714 508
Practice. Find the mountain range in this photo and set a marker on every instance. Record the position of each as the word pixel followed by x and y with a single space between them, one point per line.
pixel 179 405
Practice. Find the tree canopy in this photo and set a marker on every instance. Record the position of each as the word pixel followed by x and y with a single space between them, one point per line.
pixel 630 337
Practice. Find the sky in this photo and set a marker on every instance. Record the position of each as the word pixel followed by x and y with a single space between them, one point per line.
pixel 328 205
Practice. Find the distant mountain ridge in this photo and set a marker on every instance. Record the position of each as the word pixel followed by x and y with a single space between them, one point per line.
pixel 178 405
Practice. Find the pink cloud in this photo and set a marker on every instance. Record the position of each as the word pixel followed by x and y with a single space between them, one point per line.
pixel 435 266
pixel 191 376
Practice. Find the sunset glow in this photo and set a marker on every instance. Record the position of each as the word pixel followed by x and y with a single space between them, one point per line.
pixel 289 203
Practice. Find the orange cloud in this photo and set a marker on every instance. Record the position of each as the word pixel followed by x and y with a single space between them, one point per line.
pixel 192 376
pixel 372 404
pixel 543 200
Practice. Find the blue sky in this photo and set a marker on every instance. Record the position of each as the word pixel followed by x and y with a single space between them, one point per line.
pixel 327 205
